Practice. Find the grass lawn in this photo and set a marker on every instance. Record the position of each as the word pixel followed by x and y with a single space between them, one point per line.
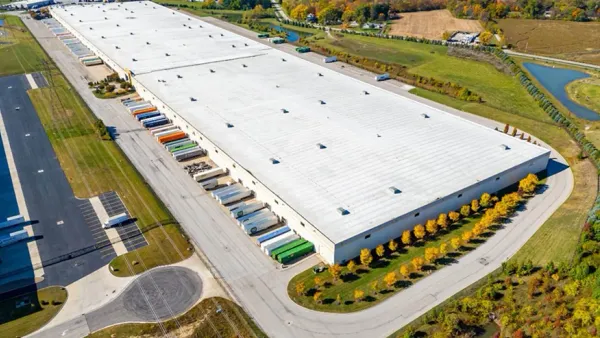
pixel 42 306
pixel 21 54
pixel 363 278
pixel 586 92
pixel 93 166
pixel 201 321
pixel 498 90
pixel 557 239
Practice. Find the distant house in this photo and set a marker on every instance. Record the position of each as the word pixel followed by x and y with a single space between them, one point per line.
pixel 548 14
pixel 354 24
pixel 311 17
pixel 371 25
pixel 465 38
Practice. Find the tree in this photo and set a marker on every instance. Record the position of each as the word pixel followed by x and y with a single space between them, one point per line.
pixel 446 35
pixel 431 254
pixel 392 245
pixel 431 226
pixel 329 14
pixel 390 279
pixel 374 286
pixel 442 221
pixel 528 184
pixel 443 249
pixel 454 216
pixel 338 300
pixel 475 205
pixel 484 200
pixel 317 297
pixel 506 128
pixel 405 271
pixel 299 12
pixel 477 229
pixel 514 132
pixel 358 295
pixel 466 236
pixel 365 257
pixel 417 263
pixel 318 282
pixel 419 231
pixel 351 266
pixel 335 271
pixel 456 243
pixel 300 288
pixel 406 237
pixel 529 138
pixel 465 210
pixel 485 37
pixel 380 250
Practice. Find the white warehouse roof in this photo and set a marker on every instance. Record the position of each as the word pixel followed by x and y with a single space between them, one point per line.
pixel 336 146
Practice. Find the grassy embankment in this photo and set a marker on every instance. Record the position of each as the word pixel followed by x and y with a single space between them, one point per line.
pixel 505 101
pixel 201 321
pixel 19 52
pixel 586 92
pixel 42 306
pixel 94 166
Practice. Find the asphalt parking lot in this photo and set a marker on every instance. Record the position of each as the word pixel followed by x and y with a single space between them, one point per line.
pixel 130 233
pixel 60 225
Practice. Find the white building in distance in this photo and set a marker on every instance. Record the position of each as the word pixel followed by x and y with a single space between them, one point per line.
pixel 347 165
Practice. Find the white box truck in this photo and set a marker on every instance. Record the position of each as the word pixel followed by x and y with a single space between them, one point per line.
pixel 115 220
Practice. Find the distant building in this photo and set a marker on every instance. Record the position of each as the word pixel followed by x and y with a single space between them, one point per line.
pixel 311 17
pixel 465 38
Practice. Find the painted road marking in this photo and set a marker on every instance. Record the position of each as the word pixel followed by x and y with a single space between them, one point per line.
pixel 41 171
pixel 60 223
pixel 111 232
pixel 27 135
pixel 14 176
pixel 31 81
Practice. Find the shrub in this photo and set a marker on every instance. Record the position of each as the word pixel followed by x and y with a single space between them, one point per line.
pixel 110 88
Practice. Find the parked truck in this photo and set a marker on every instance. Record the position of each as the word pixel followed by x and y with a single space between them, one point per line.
pixel 296 252
pixel 261 224
pixel 287 247
pixel 382 77
pixel 302 49
pixel 330 59
pixel 211 183
pixel 209 174
pixel 115 220
pixel 172 137
pixel 246 208
pixel 278 242
pixel 273 234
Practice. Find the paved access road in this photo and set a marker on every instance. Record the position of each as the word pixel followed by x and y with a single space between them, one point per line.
pixel 59 224
pixel 252 278
pixel 549 59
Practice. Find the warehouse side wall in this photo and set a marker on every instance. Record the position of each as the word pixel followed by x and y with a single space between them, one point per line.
pixel 350 248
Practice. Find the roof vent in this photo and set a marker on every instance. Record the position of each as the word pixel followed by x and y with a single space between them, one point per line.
pixel 117 47
pixel 184 25
pixel 232 46
pixel 365 92
pixel 285 111
pixel 105 18
pixel 276 86
pixel 274 160
pixel 179 76
pixel 91 28
pixel 378 135
pixel 212 71
pixel 505 147
pixel 244 65
pixel 322 102
pixel 193 99
pixel 130 33
pixel 201 26
pixel 167 54
pixel 320 74
pixel 343 211
pixel 210 36
pixel 147 42
pixel 80 21
pixel 134 60
pixel 282 59
pixel 229 125
pixel 425 116
pixel 103 37
pixel 190 27
pixel 222 34
pixel 395 190
pixel 246 44
pixel 321 146
pixel 189 19
pixel 118 25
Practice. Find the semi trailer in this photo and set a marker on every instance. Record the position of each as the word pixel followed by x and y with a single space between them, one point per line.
pixel 296 252
pixel 277 242
pixel 273 234
pixel 12 221
pixel 115 220
pixel 287 247
pixel 209 174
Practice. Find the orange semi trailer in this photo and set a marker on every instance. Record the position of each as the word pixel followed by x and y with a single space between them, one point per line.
pixel 172 137
pixel 143 110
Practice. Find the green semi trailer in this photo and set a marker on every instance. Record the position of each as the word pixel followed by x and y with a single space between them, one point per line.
pixel 303 49
pixel 183 147
pixel 287 247
pixel 296 252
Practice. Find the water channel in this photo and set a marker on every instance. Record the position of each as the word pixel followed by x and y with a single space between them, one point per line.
pixel 291 35
pixel 555 79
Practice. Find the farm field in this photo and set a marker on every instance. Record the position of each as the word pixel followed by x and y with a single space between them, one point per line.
pixel 576 41
pixel 431 24
pixel 586 92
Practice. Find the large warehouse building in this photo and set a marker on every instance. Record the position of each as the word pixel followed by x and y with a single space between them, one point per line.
pixel 347 165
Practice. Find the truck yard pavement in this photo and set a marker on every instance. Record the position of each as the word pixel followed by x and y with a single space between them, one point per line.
pixel 255 281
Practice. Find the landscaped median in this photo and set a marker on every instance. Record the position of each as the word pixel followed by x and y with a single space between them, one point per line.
pixel 378 274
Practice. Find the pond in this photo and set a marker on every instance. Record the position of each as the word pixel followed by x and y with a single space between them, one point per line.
pixel 554 80
pixel 1 22
pixel 291 35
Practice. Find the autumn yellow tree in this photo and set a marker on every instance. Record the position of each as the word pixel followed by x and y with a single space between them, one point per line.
pixel 335 271
pixel 506 128
pixel 317 297
pixel 484 200
pixel 501 208
pixel 419 231
pixel 454 216
pixel 431 254
pixel 446 35
pixel 417 263
pixel 511 200
pixel 299 12
pixel 528 184
pixel 465 210
pixel 443 249
pixel 456 243
pixel 431 226
pixel 485 37
pixel 390 279
pixel 380 250
pixel 358 295
pixel 442 221
pixel 466 236
pixel 365 257
pixel 406 237
pixel 300 288
pixel 392 245
pixel 405 271
pixel 514 132
pixel 374 287
pixel 338 300
pixel 475 205
pixel 318 282
pixel 351 266
pixel 477 230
